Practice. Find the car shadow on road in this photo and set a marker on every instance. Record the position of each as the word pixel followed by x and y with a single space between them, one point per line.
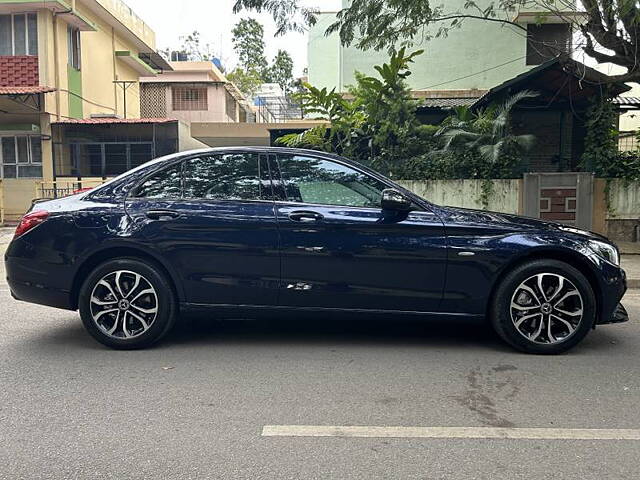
pixel 321 330
pixel 194 333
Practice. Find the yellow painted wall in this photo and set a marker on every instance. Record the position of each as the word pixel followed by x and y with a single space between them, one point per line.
pixel 99 66
pixel 18 194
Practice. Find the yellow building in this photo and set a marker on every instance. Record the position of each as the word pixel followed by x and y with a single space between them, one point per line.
pixel 70 97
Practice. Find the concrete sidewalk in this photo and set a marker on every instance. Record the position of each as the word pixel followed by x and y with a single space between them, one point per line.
pixel 630 262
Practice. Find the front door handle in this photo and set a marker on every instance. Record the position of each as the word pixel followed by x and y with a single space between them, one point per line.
pixel 305 216
pixel 162 214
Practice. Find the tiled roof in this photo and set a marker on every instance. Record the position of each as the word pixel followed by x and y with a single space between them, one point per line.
pixel 25 90
pixel 111 120
pixel 448 102
pixel 19 71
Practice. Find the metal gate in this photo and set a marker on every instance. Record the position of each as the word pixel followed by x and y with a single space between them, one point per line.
pixel 560 197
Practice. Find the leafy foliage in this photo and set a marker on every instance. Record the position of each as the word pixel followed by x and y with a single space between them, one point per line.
pixel 247 81
pixel 487 132
pixel 253 68
pixel 377 125
pixel 600 145
pixel 609 27
pixel 601 154
pixel 281 71
pixel 248 43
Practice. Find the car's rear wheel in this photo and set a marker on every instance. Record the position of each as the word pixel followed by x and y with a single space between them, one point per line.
pixel 544 307
pixel 127 303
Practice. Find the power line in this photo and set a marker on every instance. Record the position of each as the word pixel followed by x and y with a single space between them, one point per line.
pixel 474 74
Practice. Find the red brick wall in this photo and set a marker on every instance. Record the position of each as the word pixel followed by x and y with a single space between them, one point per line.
pixel 19 71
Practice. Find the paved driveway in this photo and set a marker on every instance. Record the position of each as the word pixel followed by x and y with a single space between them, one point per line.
pixel 196 406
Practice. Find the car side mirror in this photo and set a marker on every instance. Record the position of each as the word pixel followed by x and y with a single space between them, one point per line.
pixel 394 200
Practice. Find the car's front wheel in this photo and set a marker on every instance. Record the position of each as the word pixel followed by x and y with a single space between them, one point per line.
pixel 127 303
pixel 544 307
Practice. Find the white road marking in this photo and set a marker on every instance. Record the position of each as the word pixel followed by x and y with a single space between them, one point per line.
pixel 450 432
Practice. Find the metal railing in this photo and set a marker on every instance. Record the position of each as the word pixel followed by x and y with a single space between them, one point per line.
pixel 277 109
pixel 63 188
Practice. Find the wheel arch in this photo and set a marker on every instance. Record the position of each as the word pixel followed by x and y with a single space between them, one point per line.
pixel 114 252
pixel 564 255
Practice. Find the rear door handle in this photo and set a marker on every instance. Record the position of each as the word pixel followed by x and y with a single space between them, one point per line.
pixel 305 216
pixel 162 214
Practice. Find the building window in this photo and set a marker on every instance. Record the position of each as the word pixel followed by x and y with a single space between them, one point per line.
pixel 230 106
pixel 21 157
pixel 73 45
pixel 547 41
pixel 19 34
pixel 190 98
pixel 105 159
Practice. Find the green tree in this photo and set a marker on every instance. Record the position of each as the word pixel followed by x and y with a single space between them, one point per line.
pixel 247 82
pixel 248 43
pixel 193 48
pixel 609 27
pixel 281 71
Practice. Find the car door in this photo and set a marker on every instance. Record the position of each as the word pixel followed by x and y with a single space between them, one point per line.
pixel 340 250
pixel 212 217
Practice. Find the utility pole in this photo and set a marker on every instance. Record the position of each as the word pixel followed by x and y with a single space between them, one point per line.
pixel 125 85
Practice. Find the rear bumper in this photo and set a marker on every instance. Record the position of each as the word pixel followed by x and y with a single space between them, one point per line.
pixel 37 275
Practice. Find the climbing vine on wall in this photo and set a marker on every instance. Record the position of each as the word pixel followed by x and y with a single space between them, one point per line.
pixel 601 154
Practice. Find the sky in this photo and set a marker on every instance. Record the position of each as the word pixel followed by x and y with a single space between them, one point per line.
pixel 214 19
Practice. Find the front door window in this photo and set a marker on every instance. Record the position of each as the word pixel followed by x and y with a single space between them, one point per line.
pixel 323 182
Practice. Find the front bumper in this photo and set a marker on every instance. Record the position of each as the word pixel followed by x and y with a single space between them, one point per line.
pixel 614 286
pixel 620 315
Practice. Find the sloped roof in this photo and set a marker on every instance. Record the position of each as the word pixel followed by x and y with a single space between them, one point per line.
pixel 25 90
pixel 559 78
pixel 113 121
pixel 448 102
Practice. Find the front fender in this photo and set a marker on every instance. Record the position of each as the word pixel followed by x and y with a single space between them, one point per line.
pixel 478 260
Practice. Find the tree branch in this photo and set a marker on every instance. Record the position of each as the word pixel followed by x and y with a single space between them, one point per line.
pixel 478 17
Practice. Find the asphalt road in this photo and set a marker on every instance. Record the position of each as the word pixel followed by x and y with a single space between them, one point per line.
pixel 195 406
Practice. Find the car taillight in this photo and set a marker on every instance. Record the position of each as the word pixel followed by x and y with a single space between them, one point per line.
pixel 31 220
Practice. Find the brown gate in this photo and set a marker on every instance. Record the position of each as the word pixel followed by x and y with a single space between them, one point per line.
pixel 560 197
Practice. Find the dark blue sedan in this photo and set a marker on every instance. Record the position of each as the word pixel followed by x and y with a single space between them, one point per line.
pixel 244 231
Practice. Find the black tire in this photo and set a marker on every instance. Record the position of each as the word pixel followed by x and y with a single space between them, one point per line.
pixel 500 308
pixel 159 322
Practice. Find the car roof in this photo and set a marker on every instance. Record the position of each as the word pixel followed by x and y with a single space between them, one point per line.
pixel 261 149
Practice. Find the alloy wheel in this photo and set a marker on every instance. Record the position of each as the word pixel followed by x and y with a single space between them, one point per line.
pixel 124 304
pixel 546 308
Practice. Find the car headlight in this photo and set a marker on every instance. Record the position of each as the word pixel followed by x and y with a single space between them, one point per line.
pixel 606 251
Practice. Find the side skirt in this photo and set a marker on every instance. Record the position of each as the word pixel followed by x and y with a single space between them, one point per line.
pixel 270 310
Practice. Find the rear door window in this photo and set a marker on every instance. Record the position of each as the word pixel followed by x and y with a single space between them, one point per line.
pixel 232 176
pixel 166 183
